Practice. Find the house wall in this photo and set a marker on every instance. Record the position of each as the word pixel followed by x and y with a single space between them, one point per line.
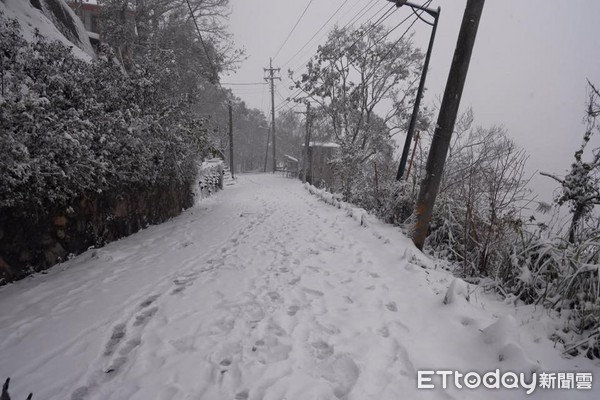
pixel 321 174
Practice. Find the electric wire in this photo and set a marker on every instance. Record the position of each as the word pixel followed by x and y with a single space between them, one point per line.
pixel 380 20
pixel 210 61
pixel 317 32
pixel 293 29
pixel 356 17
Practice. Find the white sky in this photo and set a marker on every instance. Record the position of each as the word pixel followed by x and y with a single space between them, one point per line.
pixel 528 71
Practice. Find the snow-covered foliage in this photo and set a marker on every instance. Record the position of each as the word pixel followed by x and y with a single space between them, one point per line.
pixel 480 225
pixel 71 127
pixel 480 201
pixel 562 269
pixel 580 189
pixel 363 85
pixel 210 177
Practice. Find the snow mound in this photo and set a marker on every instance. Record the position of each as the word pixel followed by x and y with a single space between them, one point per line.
pixel 357 213
pixel 53 19
pixel 457 289
pixel 504 334
pixel 502 331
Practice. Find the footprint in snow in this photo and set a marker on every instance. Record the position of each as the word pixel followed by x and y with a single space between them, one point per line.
pixel 322 350
pixel 293 281
pixel 292 310
pixel 117 336
pixel 384 331
pixel 130 345
pixel 116 366
pixel 313 292
pixel 144 317
pixel 275 297
pixel 224 365
pixel 149 301
pixel 80 393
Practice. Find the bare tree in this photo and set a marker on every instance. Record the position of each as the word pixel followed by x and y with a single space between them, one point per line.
pixel 482 196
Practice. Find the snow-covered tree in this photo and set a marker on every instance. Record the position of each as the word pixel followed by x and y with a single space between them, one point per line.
pixel 580 188
pixel 70 127
pixel 356 74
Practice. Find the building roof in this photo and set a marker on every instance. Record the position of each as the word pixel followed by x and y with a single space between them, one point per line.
pixel 323 144
pixel 294 159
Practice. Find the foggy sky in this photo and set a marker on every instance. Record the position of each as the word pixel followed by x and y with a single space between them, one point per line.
pixel 528 71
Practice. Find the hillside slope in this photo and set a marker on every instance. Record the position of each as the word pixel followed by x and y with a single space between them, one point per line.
pixel 53 19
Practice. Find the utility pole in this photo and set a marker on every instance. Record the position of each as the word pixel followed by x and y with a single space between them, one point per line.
pixel 267 151
pixel 230 139
pixel 271 78
pixel 446 119
pixel 306 142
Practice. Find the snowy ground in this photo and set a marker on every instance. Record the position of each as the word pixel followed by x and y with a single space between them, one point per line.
pixel 262 292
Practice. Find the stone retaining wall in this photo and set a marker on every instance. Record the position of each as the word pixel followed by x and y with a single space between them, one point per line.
pixel 32 242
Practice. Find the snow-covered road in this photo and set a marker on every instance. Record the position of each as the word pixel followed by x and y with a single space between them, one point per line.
pixel 261 292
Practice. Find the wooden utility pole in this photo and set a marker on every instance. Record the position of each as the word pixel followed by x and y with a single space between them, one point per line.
pixel 267 150
pixel 271 78
pixel 306 142
pixel 230 139
pixel 446 119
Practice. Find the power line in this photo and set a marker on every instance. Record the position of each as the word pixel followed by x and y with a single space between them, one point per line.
pixel 359 14
pixel 294 28
pixel 362 12
pixel 365 9
pixel 243 84
pixel 316 33
pixel 393 46
pixel 356 17
pixel 418 15
pixel 289 100
pixel 406 31
pixel 381 19
pixel 352 8
pixel 214 68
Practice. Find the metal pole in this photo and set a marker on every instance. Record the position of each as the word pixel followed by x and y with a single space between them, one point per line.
pixel 415 113
pixel 446 120
pixel 412 157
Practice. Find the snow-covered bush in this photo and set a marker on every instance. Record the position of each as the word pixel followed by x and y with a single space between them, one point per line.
pixel 70 127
